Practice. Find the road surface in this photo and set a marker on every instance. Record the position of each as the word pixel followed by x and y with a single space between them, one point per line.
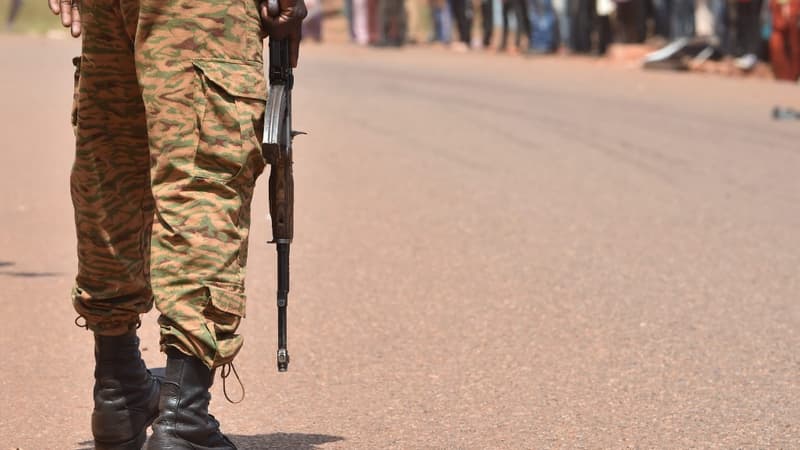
pixel 490 253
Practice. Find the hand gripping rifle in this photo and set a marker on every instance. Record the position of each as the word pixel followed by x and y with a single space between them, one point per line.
pixel 277 150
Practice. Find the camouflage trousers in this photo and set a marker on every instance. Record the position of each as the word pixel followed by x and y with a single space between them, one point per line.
pixel 169 104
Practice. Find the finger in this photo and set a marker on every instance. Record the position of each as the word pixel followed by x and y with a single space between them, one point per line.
pixel 277 28
pixel 54 5
pixel 75 29
pixel 287 4
pixel 262 10
pixel 66 12
pixel 272 25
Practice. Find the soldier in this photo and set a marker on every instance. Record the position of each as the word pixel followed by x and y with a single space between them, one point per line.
pixel 169 105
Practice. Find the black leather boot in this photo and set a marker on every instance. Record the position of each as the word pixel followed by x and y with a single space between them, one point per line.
pixel 184 422
pixel 125 394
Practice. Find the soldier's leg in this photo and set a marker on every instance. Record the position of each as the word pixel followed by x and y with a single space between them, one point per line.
pixel 200 67
pixel 110 182
pixel 113 211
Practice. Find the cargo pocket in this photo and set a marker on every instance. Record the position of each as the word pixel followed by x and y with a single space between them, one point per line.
pixel 223 313
pixel 229 102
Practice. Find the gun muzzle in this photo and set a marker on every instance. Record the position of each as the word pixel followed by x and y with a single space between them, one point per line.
pixel 283 360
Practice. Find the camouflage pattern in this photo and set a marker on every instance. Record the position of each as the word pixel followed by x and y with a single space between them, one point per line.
pixel 170 101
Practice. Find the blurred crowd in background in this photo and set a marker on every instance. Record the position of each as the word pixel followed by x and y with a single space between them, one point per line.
pixel 743 31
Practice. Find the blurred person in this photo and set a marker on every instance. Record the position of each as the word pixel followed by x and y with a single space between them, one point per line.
pixel 519 8
pixel 361 22
pixel 662 16
pixel 391 23
pixel 703 19
pixel 602 25
pixel 561 9
pixel 347 10
pixel 784 41
pixel 312 25
pixel 583 14
pixel 162 200
pixel 591 32
pixel 373 21
pixel 462 16
pixel 711 29
pixel 721 33
pixel 708 40
pixel 631 20
pixel 747 33
pixel 414 27
pixel 682 19
pixel 441 21
pixel 487 22
pixel 13 12
pixel 543 27
pixel 365 21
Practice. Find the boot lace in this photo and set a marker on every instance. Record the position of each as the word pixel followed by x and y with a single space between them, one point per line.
pixel 225 372
pixel 81 322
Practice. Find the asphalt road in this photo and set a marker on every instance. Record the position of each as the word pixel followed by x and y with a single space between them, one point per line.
pixel 490 253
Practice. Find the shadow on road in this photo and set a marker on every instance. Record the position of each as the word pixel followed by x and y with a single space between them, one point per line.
pixel 30 274
pixel 25 274
pixel 289 441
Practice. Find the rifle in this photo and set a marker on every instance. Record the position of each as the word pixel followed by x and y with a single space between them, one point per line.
pixel 277 150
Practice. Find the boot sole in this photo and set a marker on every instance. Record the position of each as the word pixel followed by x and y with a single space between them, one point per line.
pixel 170 444
pixel 133 444
pixel 157 443
pixel 167 442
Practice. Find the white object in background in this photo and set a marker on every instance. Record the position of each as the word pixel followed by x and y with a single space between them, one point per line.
pixel 605 7
pixel 703 19
pixel 360 29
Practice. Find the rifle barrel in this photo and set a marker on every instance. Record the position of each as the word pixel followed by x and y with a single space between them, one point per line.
pixel 283 299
